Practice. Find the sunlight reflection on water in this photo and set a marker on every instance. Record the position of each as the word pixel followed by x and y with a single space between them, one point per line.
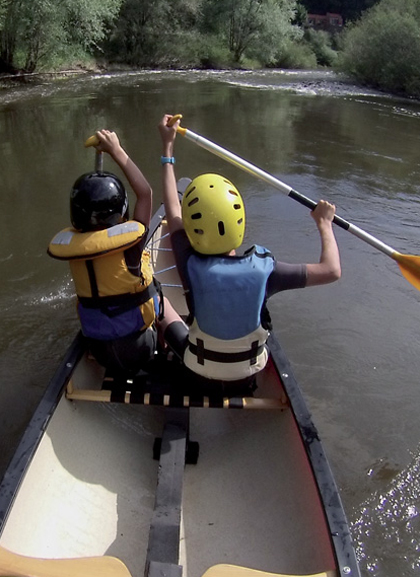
pixel 389 523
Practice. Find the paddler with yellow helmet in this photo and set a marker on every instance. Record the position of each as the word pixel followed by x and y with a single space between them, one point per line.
pixel 227 293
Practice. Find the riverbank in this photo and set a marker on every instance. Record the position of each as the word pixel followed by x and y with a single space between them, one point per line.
pixel 319 81
pixel 7 79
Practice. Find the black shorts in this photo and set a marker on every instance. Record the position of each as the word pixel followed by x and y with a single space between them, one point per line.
pixel 128 354
pixel 176 337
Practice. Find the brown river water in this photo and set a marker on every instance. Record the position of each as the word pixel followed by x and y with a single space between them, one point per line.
pixel 354 345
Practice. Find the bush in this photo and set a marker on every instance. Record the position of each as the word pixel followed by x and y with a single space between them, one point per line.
pixel 212 53
pixel 320 43
pixel 297 55
pixel 383 49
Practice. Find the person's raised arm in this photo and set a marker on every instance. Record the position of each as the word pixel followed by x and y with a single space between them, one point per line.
pixel 169 187
pixel 109 142
pixel 329 268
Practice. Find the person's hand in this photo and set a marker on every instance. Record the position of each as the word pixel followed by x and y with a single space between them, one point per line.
pixel 168 134
pixel 108 142
pixel 323 212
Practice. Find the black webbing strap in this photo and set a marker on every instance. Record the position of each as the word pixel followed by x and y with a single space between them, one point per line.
pixel 203 354
pixel 199 351
pixel 254 352
pixel 92 279
pixel 123 302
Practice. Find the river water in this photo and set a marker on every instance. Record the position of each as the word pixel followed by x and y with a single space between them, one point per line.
pixel 354 345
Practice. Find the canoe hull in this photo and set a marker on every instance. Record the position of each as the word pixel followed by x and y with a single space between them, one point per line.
pixel 83 481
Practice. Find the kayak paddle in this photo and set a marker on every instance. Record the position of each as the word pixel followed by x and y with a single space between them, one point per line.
pixel 409 264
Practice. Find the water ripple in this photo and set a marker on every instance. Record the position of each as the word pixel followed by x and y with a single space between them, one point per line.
pixel 387 528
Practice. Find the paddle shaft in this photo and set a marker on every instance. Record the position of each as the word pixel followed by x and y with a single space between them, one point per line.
pixel 284 188
pixel 99 157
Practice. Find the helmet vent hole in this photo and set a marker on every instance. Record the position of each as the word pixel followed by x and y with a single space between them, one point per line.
pixel 240 221
pixel 221 227
pixel 189 192
pixel 237 206
pixel 198 231
pixel 193 201
pixel 196 216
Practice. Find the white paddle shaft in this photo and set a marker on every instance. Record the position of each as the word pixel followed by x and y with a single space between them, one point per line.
pixel 284 188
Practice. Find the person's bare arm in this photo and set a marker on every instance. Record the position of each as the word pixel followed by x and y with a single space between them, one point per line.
pixel 329 268
pixel 170 192
pixel 109 142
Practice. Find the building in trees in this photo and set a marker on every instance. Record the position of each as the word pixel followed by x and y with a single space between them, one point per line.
pixel 331 22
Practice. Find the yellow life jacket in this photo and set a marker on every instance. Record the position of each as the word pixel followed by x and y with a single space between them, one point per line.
pixel 112 301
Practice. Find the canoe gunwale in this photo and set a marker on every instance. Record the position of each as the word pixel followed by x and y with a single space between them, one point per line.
pixel 332 505
pixel 36 427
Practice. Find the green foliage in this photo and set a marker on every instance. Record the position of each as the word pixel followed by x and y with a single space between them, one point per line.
pixel 3 9
pixel 210 52
pixel 320 42
pixel 36 33
pixel 252 28
pixel 301 14
pixel 87 22
pixel 154 33
pixel 383 48
pixel 296 55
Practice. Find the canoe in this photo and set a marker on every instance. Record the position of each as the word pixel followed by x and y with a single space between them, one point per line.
pixel 155 476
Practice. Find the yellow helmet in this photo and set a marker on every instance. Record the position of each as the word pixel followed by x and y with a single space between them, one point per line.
pixel 213 214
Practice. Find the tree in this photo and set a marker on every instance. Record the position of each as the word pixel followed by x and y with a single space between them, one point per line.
pixel 35 32
pixel 253 27
pixel 153 33
pixel 383 48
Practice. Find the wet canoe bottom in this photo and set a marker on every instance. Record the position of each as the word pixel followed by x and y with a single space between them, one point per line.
pixel 92 485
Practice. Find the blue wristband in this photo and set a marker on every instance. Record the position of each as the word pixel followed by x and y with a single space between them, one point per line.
pixel 167 160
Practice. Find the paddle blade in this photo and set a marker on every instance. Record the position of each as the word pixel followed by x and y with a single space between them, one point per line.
pixel 410 267
pixel 236 571
pixel 14 565
pixel 92 141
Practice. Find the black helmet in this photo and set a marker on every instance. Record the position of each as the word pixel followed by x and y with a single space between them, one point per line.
pixel 98 200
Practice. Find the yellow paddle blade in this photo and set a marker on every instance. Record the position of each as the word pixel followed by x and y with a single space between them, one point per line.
pixel 235 571
pixel 14 565
pixel 410 267
pixel 92 141
pixel 174 118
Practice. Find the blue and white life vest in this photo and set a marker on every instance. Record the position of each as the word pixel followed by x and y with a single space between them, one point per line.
pixel 112 301
pixel 228 294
